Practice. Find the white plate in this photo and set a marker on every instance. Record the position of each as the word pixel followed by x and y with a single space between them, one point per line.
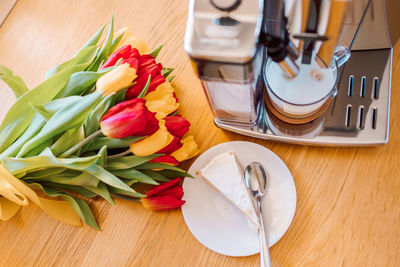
pixel 219 225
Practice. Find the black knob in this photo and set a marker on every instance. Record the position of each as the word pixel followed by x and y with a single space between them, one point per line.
pixel 226 5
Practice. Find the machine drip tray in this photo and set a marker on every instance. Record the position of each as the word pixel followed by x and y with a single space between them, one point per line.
pixel 357 116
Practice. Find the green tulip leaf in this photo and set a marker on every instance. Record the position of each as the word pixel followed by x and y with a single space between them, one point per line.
pixel 80 145
pixel 20 114
pixel 157 165
pixel 174 114
pixel 155 175
pixel 103 156
pixel 145 88
pixel 92 123
pixel 81 81
pixel 130 182
pixel 68 177
pixel 36 125
pixel 171 78
pixel 166 71
pixel 68 140
pixel 174 174
pixel 156 51
pixel 70 188
pixel 99 142
pixel 57 104
pixel 102 190
pixel 105 49
pixel 44 173
pixel 66 118
pixel 46 114
pixel 121 94
pixel 128 162
pixel 16 83
pixel 83 179
pixel 46 160
pixel 20 175
pixel 133 174
pixel 107 177
pixel 79 205
pixel 118 192
pixel 115 42
pixel 95 38
pixel 85 56
pixel 118 62
pixel 39 149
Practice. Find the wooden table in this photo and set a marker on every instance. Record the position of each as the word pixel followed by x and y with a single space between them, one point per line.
pixel 348 209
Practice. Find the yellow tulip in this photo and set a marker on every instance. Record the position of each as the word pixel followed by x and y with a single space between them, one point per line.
pixel 152 143
pixel 15 194
pixel 135 41
pixel 161 90
pixel 116 79
pixel 162 100
pixel 188 150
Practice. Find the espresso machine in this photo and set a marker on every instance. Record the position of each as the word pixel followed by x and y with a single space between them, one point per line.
pixel 238 48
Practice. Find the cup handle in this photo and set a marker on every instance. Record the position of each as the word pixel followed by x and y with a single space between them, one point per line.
pixel 341 55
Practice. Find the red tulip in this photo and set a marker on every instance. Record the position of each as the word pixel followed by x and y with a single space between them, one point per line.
pixel 166 159
pixel 188 150
pixel 171 147
pixel 133 62
pixel 129 118
pixel 128 54
pixel 176 98
pixel 164 197
pixel 177 125
pixel 147 67
pixel 148 60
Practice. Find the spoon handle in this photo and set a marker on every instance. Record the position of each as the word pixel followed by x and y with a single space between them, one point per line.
pixel 265 259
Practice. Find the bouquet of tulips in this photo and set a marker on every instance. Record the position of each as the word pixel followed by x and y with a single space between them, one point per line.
pixel 100 124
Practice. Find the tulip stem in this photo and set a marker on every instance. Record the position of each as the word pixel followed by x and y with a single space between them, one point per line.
pixel 75 148
pixel 145 88
pixel 127 152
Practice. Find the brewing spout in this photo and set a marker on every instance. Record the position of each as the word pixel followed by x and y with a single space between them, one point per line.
pixel 275 37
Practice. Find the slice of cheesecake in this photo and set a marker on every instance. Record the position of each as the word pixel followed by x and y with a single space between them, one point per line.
pixel 225 174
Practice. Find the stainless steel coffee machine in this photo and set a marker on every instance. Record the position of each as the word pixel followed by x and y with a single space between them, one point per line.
pixel 231 43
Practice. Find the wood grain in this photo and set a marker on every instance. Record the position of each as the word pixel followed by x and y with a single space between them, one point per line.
pixel 348 209
pixel 5 8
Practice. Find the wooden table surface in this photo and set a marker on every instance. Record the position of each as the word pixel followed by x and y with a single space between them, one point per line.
pixel 348 203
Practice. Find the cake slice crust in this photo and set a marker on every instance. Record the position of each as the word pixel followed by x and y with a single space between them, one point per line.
pixel 225 174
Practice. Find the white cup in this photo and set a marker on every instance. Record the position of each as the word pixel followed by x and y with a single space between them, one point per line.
pixel 307 95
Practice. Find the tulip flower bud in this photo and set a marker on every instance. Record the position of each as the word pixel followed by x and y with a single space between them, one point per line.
pixel 177 125
pixel 166 159
pixel 127 53
pixel 171 147
pixel 153 143
pixel 187 151
pixel 133 62
pixel 165 196
pixel 148 60
pixel 116 79
pixel 129 118
pixel 148 66
pixel 162 100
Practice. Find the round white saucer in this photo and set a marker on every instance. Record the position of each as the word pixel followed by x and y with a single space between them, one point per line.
pixel 219 225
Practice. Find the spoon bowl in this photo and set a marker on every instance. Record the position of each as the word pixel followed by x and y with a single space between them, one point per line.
pixel 256 180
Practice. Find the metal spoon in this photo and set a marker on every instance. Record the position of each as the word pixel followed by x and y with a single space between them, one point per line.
pixel 256 180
